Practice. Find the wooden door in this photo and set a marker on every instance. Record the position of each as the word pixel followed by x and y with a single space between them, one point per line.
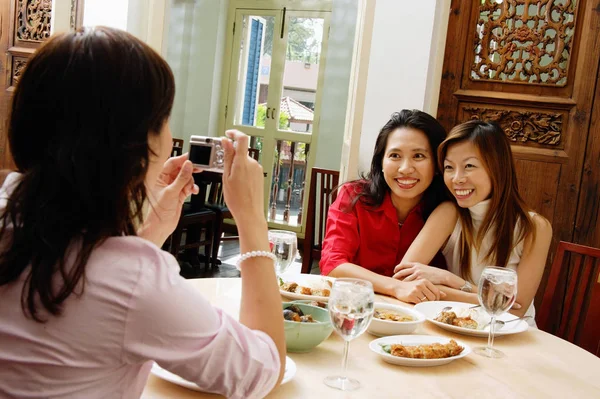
pixel 263 105
pixel 531 66
pixel 25 26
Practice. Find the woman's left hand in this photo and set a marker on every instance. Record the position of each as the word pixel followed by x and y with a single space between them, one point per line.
pixel 412 271
pixel 166 197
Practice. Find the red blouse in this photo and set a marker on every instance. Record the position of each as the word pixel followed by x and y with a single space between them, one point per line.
pixel 369 237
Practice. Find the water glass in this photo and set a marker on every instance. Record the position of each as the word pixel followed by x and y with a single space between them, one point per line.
pixel 497 294
pixel 350 310
pixel 284 245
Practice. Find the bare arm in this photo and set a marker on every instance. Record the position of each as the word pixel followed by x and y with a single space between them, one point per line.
pixel 431 239
pixel 411 292
pixel 533 262
pixel 261 303
pixel 433 235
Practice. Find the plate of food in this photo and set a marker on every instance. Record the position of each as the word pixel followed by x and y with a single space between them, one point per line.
pixel 390 319
pixel 305 286
pixel 466 319
pixel 290 372
pixel 419 350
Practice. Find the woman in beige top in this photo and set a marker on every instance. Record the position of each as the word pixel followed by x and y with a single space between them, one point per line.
pixel 492 225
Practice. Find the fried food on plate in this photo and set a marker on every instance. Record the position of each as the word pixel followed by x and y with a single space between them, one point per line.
pixel 427 351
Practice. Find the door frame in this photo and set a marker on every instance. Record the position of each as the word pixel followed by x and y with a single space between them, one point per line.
pixel 313 8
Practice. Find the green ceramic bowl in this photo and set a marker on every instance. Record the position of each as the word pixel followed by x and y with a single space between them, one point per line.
pixel 303 337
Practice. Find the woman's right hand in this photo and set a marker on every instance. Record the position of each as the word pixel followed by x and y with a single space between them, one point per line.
pixel 417 291
pixel 243 181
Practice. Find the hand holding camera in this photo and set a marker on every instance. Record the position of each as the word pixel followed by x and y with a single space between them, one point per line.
pixel 243 182
pixel 207 153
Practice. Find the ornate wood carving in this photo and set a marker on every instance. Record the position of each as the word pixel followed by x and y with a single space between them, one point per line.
pixel 522 126
pixel 17 70
pixel 524 41
pixel 33 20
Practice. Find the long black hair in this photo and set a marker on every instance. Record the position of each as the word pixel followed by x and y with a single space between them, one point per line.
pixel 373 187
pixel 78 132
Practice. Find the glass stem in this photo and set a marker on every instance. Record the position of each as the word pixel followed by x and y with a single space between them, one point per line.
pixel 491 336
pixel 345 359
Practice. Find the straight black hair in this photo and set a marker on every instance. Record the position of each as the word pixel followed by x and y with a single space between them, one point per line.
pixel 78 131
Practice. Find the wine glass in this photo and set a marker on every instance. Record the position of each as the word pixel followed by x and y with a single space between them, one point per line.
pixel 284 245
pixel 497 294
pixel 350 310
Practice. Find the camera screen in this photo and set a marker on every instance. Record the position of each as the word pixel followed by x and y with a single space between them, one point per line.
pixel 200 154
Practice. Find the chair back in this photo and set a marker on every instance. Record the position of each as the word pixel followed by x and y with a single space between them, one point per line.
pixel 177 147
pixel 322 193
pixel 571 304
pixel 254 153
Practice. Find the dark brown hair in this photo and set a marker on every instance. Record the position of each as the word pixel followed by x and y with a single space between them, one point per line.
pixel 372 188
pixel 507 208
pixel 78 131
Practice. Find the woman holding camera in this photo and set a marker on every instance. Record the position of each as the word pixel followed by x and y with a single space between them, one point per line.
pixel 87 298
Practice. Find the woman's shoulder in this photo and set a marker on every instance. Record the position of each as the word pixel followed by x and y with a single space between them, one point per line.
pixel 129 251
pixel 541 225
pixel 446 212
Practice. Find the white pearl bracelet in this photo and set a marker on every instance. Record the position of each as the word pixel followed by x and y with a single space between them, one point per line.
pixel 255 254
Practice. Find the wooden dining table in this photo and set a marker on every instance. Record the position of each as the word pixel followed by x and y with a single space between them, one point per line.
pixel 536 365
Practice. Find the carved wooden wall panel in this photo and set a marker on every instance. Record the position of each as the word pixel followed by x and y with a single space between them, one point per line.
pixel 524 41
pixel 33 20
pixel 18 66
pixel 521 126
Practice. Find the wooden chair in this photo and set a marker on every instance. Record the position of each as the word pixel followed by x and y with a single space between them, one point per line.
pixel 177 147
pixel 571 304
pixel 323 184
pixel 199 226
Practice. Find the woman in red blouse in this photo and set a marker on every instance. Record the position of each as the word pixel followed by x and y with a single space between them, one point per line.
pixel 374 220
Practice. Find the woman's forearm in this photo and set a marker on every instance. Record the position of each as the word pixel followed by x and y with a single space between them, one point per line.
pixel 453 294
pixel 260 307
pixel 381 284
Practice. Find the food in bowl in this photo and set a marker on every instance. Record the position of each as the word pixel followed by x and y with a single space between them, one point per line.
pixel 323 289
pixel 425 351
pixel 391 319
pixel 303 337
pixel 294 313
pixel 391 315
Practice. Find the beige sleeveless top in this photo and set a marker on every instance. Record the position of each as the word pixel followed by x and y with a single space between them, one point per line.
pixel 451 250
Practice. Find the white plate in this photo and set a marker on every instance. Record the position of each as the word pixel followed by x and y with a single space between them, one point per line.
pixel 382 328
pixel 432 309
pixel 306 280
pixel 413 340
pixel 290 372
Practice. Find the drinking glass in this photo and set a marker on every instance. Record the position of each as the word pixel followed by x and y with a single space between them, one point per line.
pixel 497 294
pixel 284 245
pixel 350 310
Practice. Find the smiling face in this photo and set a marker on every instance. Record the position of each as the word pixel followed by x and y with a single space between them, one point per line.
pixel 465 174
pixel 408 166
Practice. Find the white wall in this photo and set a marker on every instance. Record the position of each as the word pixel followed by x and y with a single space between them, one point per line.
pixel 111 13
pixel 194 46
pixel 404 64
pixel 336 84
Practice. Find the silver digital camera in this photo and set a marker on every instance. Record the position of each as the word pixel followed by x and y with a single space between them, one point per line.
pixel 207 153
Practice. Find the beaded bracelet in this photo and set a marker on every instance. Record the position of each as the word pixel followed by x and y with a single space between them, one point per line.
pixel 255 254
